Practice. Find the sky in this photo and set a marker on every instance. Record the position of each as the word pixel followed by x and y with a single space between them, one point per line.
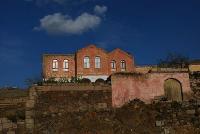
pixel 148 29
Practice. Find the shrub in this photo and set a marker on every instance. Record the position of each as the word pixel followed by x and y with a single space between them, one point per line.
pixel 85 80
pixel 63 80
pixel 51 80
pixel 108 81
pixel 75 79
pixel 99 81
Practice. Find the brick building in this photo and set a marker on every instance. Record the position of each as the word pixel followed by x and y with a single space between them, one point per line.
pixel 90 62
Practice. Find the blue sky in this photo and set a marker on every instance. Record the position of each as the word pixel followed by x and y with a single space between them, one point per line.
pixel 148 29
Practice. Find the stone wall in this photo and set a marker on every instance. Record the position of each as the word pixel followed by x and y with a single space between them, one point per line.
pixel 9 127
pixel 129 86
pixel 56 100
pixel 176 117
pixel 12 101
pixel 195 82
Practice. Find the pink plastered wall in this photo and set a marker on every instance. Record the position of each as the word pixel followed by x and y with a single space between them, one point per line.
pixel 126 87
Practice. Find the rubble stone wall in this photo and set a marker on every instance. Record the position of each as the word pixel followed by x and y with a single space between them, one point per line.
pixel 52 100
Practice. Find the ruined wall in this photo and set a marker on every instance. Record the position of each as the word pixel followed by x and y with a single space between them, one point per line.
pixel 51 101
pixel 129 86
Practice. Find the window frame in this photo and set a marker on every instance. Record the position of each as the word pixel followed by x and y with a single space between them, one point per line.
pixel 66 65
pixel 55 65
pixel 97 62
pixel 86 62
pixel 123 65
pixel 113 65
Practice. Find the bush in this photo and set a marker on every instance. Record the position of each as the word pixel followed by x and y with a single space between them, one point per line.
pixel 108 81
pixel 63 80
pixel 75 79
pixel 85 80
pixel 51 80
pixel 99 81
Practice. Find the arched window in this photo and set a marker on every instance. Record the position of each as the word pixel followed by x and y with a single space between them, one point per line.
pixel 123 65
pixel 97 62
pixel 113 65
pixel 86 62
pixel 65 65
pixel 55 65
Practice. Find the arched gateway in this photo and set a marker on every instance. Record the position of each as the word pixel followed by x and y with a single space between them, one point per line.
pixel 173 90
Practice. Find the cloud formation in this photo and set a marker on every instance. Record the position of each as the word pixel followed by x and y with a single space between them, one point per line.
pixel 59 23
pixel 100 9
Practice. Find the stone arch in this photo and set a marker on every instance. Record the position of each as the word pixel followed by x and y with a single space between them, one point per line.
pixel 173 89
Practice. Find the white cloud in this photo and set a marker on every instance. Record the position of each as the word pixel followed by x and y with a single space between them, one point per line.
pixel 58 23
pixel 100 9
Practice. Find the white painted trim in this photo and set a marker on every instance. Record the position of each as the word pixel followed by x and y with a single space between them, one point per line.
pixel 93 78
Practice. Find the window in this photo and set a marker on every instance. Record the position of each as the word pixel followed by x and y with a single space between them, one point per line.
pixel 123 65
pixel 55 65
pixel 97 62
pixel 86 62
pixel 65 65
pixel 113 65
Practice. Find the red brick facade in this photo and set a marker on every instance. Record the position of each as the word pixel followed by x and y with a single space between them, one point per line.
pixel 48 71
pixel 76 66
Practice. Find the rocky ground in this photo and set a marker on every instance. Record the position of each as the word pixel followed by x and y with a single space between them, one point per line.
pixel 133 118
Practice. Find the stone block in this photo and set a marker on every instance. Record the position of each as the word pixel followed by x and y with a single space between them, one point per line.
pixel 20 122
pixel 1 127
pixel 7 125
pixel 11 132
pixel 101 105
pixel 166 131
pixel 31 97
pixel 14 126
pixel 185 104
pixel 4 120
pixel 190 111
pixel 198 102
pixel 29 126
pixel 159 123
pixel 29 114
pixel 29 121
pixel 30 103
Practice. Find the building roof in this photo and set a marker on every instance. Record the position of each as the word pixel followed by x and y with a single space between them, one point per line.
pixel 120 50
pixel 58 54
pixel 94 46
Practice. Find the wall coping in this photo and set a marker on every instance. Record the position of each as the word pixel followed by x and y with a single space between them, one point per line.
pixel 72 87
